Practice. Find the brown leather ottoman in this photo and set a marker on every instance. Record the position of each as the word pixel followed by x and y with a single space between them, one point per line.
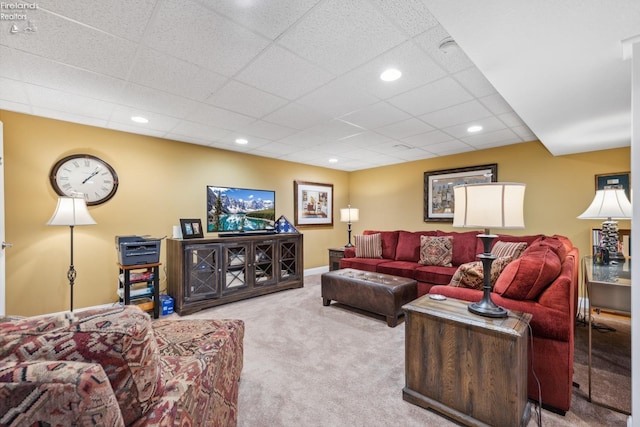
pixel 378 293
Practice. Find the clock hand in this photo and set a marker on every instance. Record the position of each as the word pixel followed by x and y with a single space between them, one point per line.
pixel 94 173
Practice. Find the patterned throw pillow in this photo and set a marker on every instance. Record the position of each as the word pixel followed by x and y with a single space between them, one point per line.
pixel 512 249
pixel 436 250
pixel 369 246
pixel 471 274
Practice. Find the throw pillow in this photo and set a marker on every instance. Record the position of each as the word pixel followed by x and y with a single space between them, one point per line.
pixel 436 250
pixel 369 246
pixel 471 274
pixel 512 249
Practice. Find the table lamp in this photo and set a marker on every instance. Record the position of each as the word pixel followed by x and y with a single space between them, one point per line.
pixel 349 215
pixel 488 205
pixel 609 204
pixel 71 211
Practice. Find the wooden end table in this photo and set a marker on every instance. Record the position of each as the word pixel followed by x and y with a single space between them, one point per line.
pixel 335 255
pixel 468 367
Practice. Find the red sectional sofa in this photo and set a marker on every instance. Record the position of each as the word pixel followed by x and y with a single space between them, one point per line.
pixel 543 282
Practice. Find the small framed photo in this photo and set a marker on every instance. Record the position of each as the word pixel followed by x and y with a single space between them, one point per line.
pixel 618 180
pixel 313 203
pixel 191 228
pixel 438 188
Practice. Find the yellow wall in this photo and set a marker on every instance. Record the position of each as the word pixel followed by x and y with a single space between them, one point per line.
pixel 162 181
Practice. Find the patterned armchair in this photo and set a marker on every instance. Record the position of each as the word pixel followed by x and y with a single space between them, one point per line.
pixel 115 367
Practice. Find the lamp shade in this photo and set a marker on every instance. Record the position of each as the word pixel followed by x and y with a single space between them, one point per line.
pixel 610 203
pixel 349 214
pixel 71 211
pixel 489 205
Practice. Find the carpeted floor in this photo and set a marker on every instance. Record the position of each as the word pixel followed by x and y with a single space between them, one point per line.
pixel 309 365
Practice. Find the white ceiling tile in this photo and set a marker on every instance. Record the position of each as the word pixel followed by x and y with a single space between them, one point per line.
pixel 337 98
pixel 321 35
pixel 366 139
pixel 304 156
pixel 524 132
pixel 92 49
pixel 273 149
pixel 68 103
pixel 270 18
pixel 13 90
pixel 266 130
pixel 158 70
pixel 404 129
pixel 375 116
pixel 496 104
pixel 456 114
pixel 16 107
pixel 279 72
pixel 296 116
pixel 155 100
pixel 186 30
pixel 214 116
pixel 303 140
pixel 199 131
pixel 238 97
pixel 416 67
pixel 10 63
pixel 69 117
pixel 453 60
pixel 121 115
pixel 336 129
pixel 122 18
pixel 133 128
pixel 489 124
pixel 427 139
pixel 511 119
pixel 410 15
pixel 431 97
pixel 448 147
pixel 500 136
pixel 44 72
pixel 473 80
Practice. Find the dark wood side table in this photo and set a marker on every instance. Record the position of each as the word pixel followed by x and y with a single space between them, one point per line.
pixel 335 255
pixel 468 367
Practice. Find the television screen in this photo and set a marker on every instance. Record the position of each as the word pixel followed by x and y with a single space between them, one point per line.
pixel 240 209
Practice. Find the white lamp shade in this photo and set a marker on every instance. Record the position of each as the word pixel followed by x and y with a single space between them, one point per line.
pixel 489 205
pixel 609 203
pixel 71 211
pixel 349 215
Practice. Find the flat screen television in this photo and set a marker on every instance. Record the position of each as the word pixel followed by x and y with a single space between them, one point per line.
pixel 231 209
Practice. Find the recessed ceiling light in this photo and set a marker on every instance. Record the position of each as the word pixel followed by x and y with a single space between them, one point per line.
pixel 140 119
pixel 390 75
pixel 472 129
pixel 241 141
pixel 333 160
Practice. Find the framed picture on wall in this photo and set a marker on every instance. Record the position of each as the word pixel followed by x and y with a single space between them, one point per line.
pixel 614 180
pixel 313 203
pixel 438 188
pixel 191 228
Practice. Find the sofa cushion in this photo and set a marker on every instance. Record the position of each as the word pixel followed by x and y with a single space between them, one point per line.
pixel 510 249
pixel 464 246
pixel 365 264
pixel 398 268
pixel 369 246
pixel 389 242
pixel 434 274
pixel 125 348
pixel 528 275
pixel 409 245
pixel 471 274
pixel 436 250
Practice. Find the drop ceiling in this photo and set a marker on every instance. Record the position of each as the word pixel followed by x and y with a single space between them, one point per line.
pixel 299 79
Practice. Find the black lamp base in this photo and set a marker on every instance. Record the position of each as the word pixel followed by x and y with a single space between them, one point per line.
pixel 487 309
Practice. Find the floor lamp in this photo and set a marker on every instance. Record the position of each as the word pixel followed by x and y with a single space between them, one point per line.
pixel 488 205
pixel 71 211
pixel 349 215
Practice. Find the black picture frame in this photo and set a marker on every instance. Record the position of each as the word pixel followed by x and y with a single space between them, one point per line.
pixel 438 188
pixel 615 180
pixel 191 228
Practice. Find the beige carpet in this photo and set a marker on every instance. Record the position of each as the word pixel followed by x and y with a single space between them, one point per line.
pixel 309 365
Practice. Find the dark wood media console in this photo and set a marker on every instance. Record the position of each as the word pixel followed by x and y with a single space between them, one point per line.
pixel 207 272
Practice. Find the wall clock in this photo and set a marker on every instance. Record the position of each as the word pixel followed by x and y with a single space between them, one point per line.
pixel 86 174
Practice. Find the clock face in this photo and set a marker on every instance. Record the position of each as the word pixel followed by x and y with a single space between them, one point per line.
pixel 86 174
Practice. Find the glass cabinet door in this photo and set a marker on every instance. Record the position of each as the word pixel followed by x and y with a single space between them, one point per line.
pixel 264 263
pixel 289 268
pixel 236 267
pixel 202 272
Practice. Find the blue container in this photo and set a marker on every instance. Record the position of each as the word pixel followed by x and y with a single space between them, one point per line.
pixel 166 304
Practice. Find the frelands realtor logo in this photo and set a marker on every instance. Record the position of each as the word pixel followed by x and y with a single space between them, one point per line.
pixel 16 11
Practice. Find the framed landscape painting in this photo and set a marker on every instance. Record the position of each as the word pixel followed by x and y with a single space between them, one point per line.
pixel 438 188
pixel 313 203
